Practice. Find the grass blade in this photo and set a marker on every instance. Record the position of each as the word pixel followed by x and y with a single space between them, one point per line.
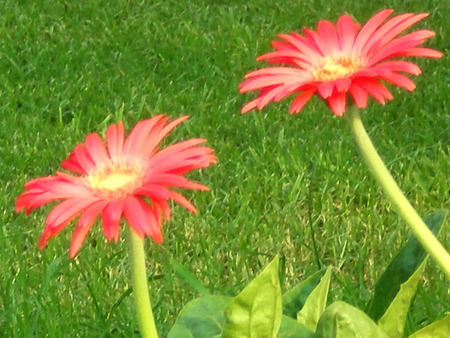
pixel 189 277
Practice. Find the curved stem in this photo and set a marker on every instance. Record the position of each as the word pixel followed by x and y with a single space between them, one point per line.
pixel 140 287
pixel 390 187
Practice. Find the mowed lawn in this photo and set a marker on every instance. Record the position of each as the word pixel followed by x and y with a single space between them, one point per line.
pixel 69 68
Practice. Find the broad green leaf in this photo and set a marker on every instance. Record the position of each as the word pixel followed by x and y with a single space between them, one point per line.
pixel 189 277
pixel 341 320
pixel 294 299
pixel 401 269
pixel 256 311
pixel 315 303
pixel 393 320
pixel 201 318
pixel 290 328
pixel 439 329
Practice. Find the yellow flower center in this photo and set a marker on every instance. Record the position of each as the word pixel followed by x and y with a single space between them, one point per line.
pixel 337 67
pixel 115 181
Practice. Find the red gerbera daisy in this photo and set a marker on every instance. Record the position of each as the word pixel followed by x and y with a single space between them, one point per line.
pixel 128 178
pixel 338 60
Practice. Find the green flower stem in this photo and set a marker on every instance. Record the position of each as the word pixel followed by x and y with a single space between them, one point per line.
pixel 390 187
pixel 140 287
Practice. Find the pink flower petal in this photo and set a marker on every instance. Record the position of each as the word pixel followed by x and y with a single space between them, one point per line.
pixel 282 46
pixel 142 219
pixel 399 66
pixel 271 80
pixel 114 141
pixel 328 34
pixel 84 224
pixel 301 100
pixel 96 149
pixel 337 103
pixel 159 207
pixel 60 216
pixel 136 140
pixel 83 158
pixel 64 212
pixel 173 150
pixel 289 57
pixel 251 105
pixel 72 164
pixel 347 30
pixel 422 52
pixel 400 44
pixel 155 138
pixel 183 201
pixel 154 192
pixel 320 41
pixel 359 95
pixel 367 30
pixel 325 89
pixel 377 39
pixel 393 28
pixel 111 219
pixel 280 92
pixel 342 85
pixel 310 52
pixel 378 91
pixel 400 80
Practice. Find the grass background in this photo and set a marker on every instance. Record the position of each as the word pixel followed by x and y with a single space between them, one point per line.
pixel 68 68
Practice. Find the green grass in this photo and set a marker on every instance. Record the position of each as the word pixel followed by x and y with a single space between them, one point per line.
pixel 68 68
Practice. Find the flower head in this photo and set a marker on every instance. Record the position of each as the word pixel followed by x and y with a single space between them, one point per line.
pixel 129 177
pixel 341 59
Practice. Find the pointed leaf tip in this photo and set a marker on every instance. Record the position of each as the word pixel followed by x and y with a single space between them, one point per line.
pixel 316 303
pixel 257 310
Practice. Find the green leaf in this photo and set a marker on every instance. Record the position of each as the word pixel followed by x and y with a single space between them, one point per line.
pixel 393 320
pixel 189 277
pixel 316 302
pixel 294 299
pixel 341 320
pixel 201 318
pixel 439 329
pixel 401 269
pixel 256 311
pixel 290 328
